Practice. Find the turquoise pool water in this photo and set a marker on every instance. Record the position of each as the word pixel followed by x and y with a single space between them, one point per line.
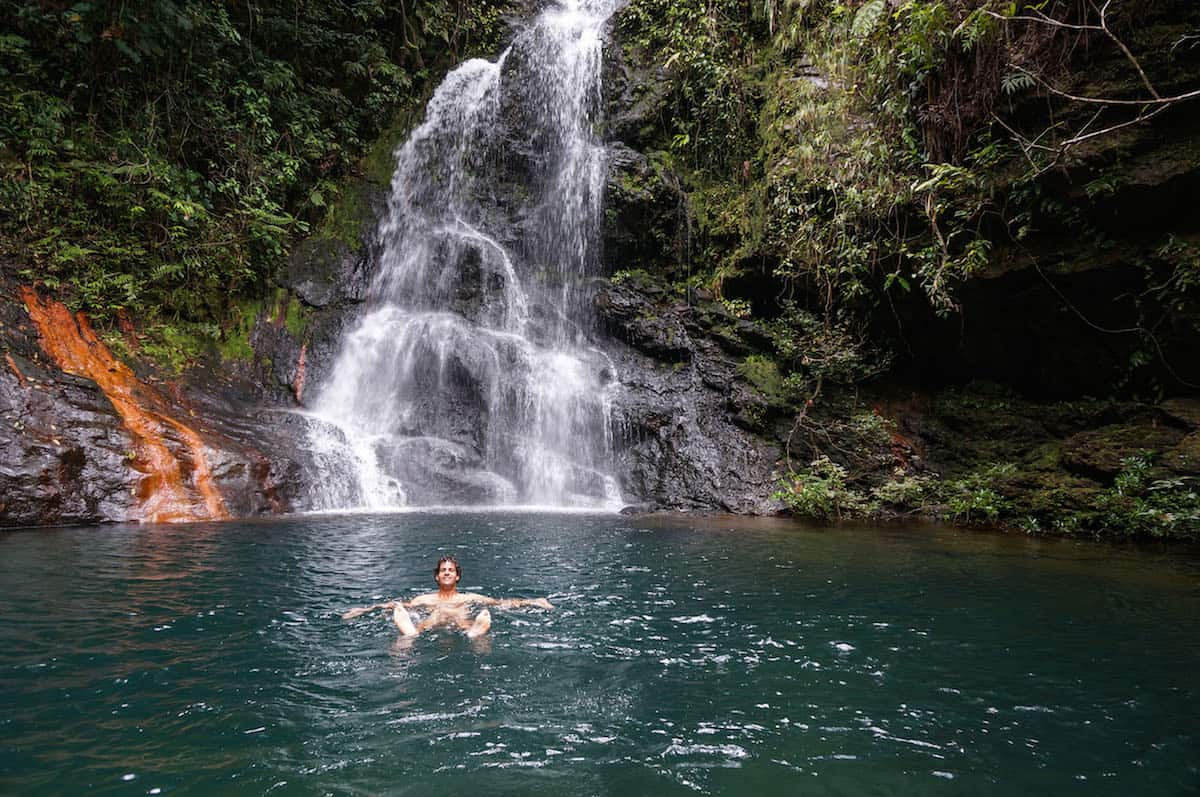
pixel 685 656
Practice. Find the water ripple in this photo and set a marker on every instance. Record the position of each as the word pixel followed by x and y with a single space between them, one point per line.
pixel 212 659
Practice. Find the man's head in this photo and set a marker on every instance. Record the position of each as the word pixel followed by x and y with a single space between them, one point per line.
pixel 447 573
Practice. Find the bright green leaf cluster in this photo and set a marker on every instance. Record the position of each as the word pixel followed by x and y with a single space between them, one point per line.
pixel 161 155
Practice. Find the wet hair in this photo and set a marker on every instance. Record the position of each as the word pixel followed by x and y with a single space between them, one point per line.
pixel 451 560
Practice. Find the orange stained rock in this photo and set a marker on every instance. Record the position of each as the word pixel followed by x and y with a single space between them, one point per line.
pixel 300 374
pixel 163 495
pixel 13 365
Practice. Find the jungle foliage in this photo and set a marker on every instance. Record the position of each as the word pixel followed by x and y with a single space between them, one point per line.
pixel 157 157
pixel 843 158
pixel 856 152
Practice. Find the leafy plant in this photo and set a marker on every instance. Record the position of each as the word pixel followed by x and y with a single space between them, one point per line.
pixel 973 498
pixel 1138 504
pixel 905 491
pixel 821 492
pixel 160 156
pixel 867 18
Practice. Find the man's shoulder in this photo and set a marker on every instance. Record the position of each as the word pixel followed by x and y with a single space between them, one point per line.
pixel 473 597
pixel 433 598
pixel 428 597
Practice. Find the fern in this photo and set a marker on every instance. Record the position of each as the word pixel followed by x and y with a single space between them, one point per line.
pixel 1014 82
pixel 867 18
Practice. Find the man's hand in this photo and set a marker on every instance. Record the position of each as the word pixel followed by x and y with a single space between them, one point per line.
pixel 359 612
pixel 541 603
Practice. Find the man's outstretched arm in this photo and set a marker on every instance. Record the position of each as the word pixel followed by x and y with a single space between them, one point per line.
pixel 541 603
pixel 361 610
pixel 511 603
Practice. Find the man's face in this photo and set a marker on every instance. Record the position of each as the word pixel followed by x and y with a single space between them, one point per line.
pixel 447 574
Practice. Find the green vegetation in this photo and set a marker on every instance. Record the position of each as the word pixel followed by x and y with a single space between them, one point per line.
pixel 160 156
pixel 1141 502
pixel 974 498
pixel 235 336
pixel 1130 492
pixel 170 346
pixel 820 492
pixel 851 164
pixel 857 153
pixel 805 148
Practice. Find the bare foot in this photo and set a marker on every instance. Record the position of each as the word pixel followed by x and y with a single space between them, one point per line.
pixel 483 621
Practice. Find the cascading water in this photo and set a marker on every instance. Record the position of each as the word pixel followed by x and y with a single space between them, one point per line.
pixel 469 378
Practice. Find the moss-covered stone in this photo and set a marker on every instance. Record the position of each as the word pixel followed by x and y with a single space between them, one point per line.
pixel 1185 457
pixel 351 213
pixel 234 343
pixel 1184 411
pixel 1100 453
pixel 763 374
pixel 985 455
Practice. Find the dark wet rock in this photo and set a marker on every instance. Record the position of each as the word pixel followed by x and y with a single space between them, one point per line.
pixel 66 453
pixel 679 441
pixel 631 316
pixel 65 450
pixel 258 454
pixel 436 471
pixel 279 358
pixel 1183 411
pixel 646 215
pixel 310 277
pixel 636 92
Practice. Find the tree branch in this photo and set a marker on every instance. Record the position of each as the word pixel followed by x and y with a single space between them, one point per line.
pixel 1156 100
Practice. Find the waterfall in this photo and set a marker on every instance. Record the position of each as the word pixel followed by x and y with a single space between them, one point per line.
pixel 469 378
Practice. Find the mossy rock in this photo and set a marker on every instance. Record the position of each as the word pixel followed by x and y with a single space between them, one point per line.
pixel 1185 457
pixel 763 374
pixel 1099 453
pixel 1185 411
pixel 1050 494
pixel 350 216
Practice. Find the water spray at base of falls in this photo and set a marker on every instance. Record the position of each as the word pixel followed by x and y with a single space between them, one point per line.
pixel 469 378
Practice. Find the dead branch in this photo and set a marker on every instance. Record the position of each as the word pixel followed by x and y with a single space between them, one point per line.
pixel 1156 100
pixel 787 448
pixel 1148 107
pixel 1038 16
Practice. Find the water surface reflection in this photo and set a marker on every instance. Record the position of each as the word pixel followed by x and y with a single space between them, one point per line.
pixel 686 655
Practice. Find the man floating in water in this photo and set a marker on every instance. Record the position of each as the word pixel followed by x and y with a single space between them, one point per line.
pixel 448 606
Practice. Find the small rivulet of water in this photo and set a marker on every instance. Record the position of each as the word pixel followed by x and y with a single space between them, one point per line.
pixel 470 378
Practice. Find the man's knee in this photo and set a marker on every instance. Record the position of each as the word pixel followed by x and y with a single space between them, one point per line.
pixel 483 622
pixel 403 621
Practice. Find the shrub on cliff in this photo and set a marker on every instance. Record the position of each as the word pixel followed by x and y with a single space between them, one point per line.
pixel 162 154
